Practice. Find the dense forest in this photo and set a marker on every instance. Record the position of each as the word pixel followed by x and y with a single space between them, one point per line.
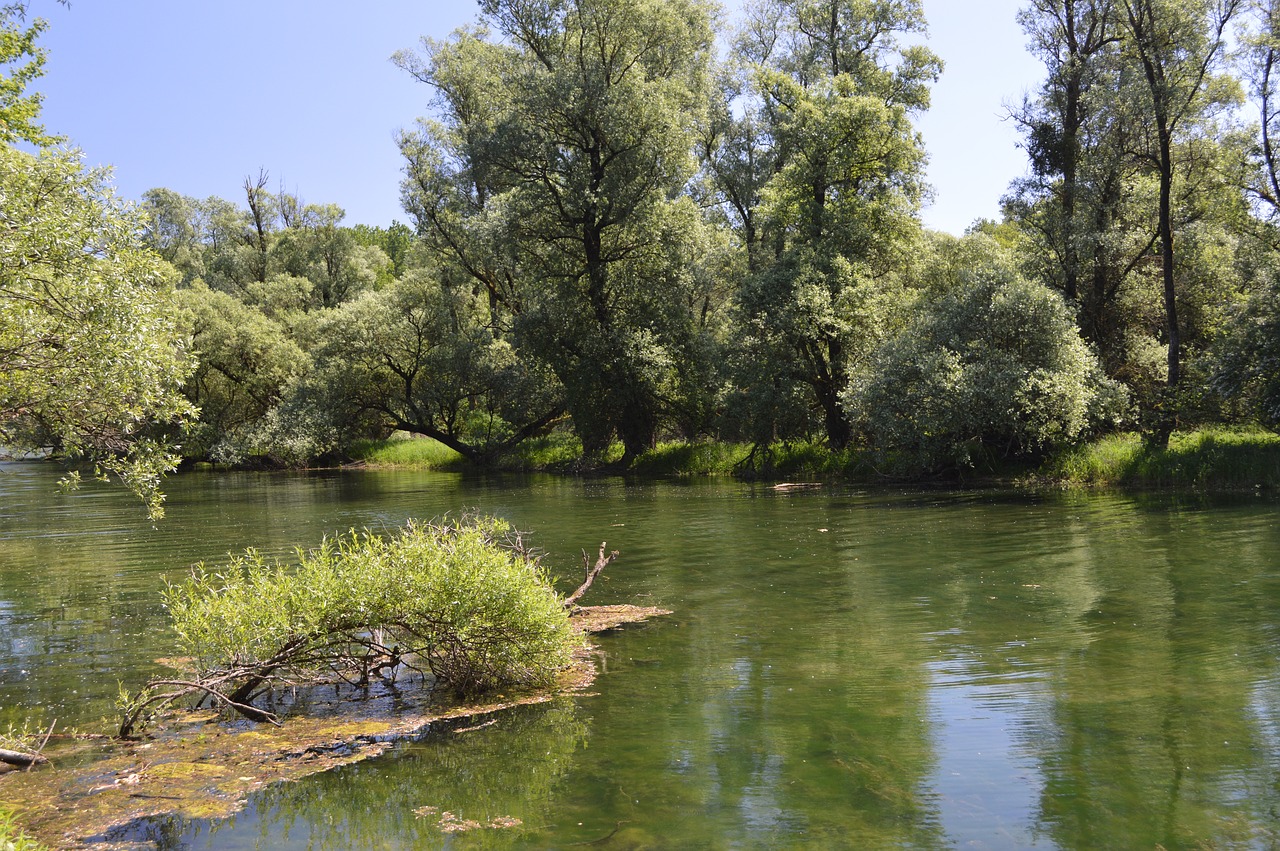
pixel 635 220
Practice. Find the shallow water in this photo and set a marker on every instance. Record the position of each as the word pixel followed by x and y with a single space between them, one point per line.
pixel 845 668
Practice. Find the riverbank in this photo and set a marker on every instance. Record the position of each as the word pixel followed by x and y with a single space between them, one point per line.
pixel 1212 459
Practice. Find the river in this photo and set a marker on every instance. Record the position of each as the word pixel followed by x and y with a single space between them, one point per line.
pixel 845 668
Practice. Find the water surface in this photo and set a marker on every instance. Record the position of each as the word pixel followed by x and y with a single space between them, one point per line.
pixel 845 668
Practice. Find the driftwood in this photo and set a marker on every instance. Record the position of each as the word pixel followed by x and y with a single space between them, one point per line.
pixel 20 759
pixel 27 759
pixel 592 571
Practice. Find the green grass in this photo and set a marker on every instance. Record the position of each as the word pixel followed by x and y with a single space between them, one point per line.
pixel 419 453
pixel 11 836
pixel 1208 459
pixel 556 451
pixel 677 458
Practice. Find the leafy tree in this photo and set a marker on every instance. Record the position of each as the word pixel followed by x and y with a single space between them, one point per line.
pixel 554 183
pixel 318 249
pixel 247 364
pixel 1179 46
pixel 21 63
pixel 1074 207
pixel 395 242
pixel 91 355
pixel 416 357
pixel 1110 190
pixel 992 364
pixel 1246 362
pixel 837 90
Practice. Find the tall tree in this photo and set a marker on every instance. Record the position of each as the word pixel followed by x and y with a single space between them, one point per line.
pixel 1179 46
pixel 1080 206
pixel 838 87
pixel 555 182
pixel 1072 37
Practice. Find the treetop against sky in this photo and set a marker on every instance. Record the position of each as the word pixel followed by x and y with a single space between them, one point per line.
pixel 195 97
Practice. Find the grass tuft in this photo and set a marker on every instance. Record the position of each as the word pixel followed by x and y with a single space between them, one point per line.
pixel 11 836
pixel 399 450
pixel 677 458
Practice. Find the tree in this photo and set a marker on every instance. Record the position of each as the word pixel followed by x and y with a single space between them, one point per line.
pixel 837 91
pixel 1179 46
pixel 554 183
pixel 91 354
pixel 417 357
pixel 992 364
pixel 24 62
pixel 247 365
pixel 1246 359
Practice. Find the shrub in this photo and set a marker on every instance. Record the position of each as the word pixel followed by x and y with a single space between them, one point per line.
pixel 994 365
pixel 463 599
pixel 1246 360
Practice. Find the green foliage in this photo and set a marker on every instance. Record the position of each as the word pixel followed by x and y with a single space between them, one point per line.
pixel 11 836
pixel 463 596
pixel 247 365
pixel 1209 459
pixel 21 63
pixel 553 182
pixel 1246 360
pixel 691 459
pixel 91 353
pixel 833 92
pixel 421 453
pixel 993 366
pixel 418 357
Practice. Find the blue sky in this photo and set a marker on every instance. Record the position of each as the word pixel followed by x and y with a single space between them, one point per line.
pixel 195 96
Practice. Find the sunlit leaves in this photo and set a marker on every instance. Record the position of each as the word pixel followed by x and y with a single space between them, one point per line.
pixel 91 352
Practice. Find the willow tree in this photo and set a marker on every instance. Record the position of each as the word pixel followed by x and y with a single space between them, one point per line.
pixel 1179 47
pixel 837 88
pixel 91 354
pixel 553 182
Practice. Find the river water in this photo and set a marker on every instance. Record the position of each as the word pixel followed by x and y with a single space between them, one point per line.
pixel 845 668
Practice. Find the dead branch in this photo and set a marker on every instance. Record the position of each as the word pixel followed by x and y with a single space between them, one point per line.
pixel 20 759
pixel 185 689
pixel 592 571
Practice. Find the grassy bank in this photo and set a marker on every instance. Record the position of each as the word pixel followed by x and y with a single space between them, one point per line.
pixel 562 453
pixel 1209 459
pixel 1215 459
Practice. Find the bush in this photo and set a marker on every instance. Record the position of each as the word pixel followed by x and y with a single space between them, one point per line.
pixel 993 366
pixel 462 599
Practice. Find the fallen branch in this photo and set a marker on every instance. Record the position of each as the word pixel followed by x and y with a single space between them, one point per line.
pixel 20 759
pixel 185 688
pixel 592 572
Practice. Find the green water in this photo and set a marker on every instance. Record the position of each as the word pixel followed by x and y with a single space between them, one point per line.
pixel 845 669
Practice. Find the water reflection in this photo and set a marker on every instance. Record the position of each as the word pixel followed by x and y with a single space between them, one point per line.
pixel 499 772
pixel 845 668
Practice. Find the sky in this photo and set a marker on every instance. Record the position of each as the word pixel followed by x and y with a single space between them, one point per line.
pixel 194 97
